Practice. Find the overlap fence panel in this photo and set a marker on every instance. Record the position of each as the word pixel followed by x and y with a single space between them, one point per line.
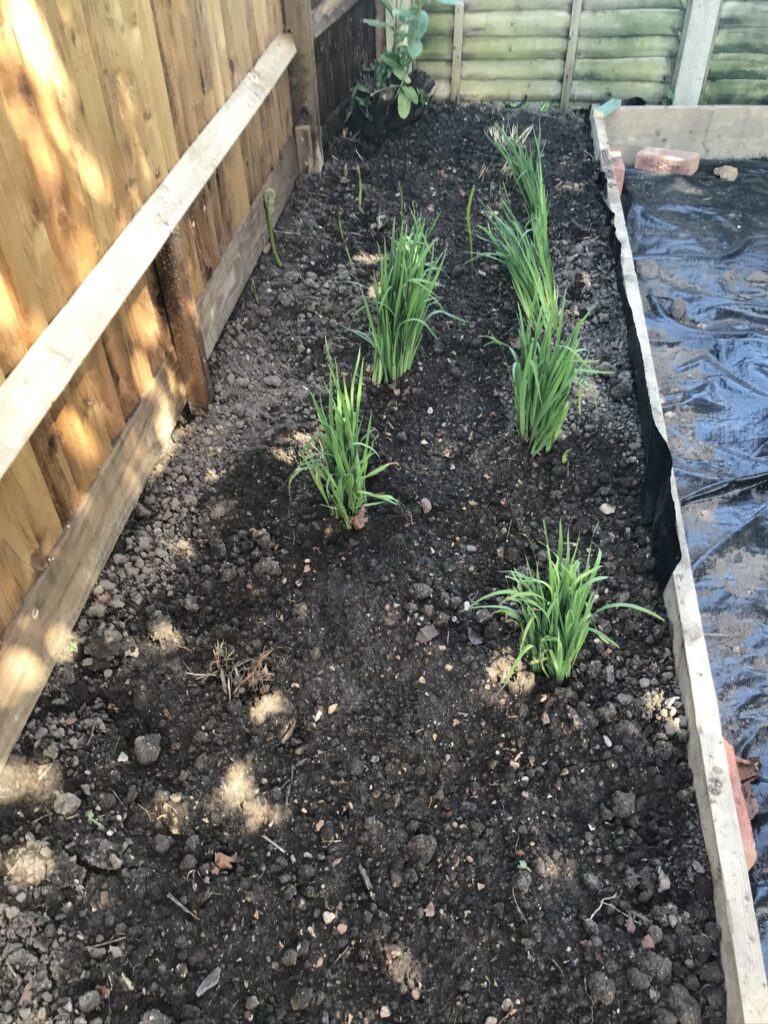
pixel 585 51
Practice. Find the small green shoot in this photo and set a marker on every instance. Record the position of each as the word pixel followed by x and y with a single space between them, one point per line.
pixel 340 225
pixel 555 607
pixel 470 232
pixel 359 189
pixel 404 298
pixel 269 210
pixel 339 457
pixel 546 370
pixel 253 291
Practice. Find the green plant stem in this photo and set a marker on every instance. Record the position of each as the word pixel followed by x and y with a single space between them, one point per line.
pixel 470 232
pixel 269 207
pixel 359 189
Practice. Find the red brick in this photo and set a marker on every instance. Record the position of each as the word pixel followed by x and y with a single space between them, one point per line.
pixel 745 825
pixel 618 168
pixel 667 161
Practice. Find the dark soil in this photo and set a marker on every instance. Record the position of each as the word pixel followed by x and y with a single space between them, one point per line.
pixel 413 843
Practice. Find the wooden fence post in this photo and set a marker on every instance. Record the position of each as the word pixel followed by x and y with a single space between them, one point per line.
pixel 696 42
pixel 570 54
pixel 181 309
pixel 381 33
pixel 456 53
pixel 304 94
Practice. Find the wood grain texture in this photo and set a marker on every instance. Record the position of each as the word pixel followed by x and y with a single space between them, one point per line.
pixel 571 53
pixel 716 132
pixel 457 48
pixel 328 12
pixel 184 323
pixel 58 354
pixel 304 89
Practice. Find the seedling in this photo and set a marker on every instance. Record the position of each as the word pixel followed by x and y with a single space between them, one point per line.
pixel 269 209
pixel 340 225
pixel 359 189
pixel 339 458
pixel 555 607
pixel 546 370
pixel 470 232
pixel 404 298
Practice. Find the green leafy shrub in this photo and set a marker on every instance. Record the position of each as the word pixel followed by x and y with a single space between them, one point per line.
pixel 546 370
pixel 555 607
pixel 339 458
pixel 392 72
pixel 404 298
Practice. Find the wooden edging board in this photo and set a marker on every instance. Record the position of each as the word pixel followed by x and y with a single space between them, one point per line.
pixel 745 981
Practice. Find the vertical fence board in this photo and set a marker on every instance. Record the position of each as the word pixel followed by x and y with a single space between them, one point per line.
pixel 456 52
pixel 570 54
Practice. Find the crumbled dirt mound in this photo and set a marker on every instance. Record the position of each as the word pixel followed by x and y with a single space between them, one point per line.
pixel 410 840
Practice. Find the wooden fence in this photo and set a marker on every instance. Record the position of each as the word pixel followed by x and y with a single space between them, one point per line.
pixel 576 52
pixel 137 139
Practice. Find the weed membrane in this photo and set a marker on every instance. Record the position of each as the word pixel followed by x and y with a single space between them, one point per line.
pixel 701 247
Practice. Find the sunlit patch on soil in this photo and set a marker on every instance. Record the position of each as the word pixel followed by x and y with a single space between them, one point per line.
pixel 26 780
pixel 240 796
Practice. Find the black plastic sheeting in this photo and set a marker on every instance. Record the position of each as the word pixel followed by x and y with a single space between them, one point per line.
pixel 701 250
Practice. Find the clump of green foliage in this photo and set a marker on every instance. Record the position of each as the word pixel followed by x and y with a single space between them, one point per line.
pixel 546 369
pixel 554 607
pixel 524 164
pixel 523 246
pixel 404 297
pixel 339 458
pixel 524 252
pixel 392 71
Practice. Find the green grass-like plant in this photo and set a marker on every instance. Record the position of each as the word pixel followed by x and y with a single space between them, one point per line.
pixel 339 458
pixel 404 298
pixel 546 370
pixel 522 246
pixel 524 251
pixel 524 163
pixel 554 607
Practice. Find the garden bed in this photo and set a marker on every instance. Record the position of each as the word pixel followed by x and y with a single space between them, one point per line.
pixel 408 836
